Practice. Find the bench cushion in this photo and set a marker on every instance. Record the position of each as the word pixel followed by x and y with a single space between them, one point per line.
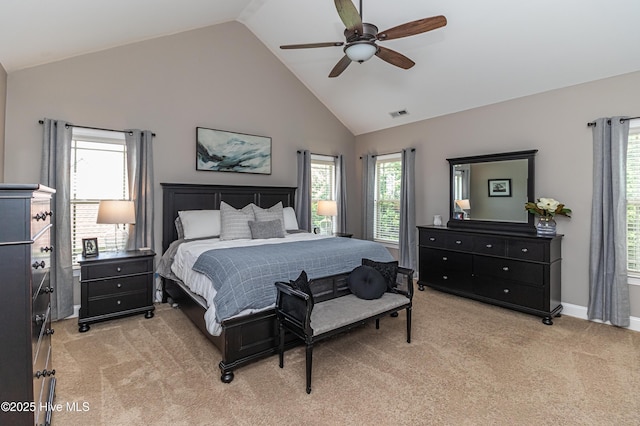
pixel 335 313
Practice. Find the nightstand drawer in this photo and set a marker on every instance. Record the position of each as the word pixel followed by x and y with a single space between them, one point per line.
pixel 116 268
pixel 118 285
pixel 117 303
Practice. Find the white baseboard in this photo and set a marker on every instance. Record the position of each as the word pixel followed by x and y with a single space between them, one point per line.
pixel 76 310
pixel 581 312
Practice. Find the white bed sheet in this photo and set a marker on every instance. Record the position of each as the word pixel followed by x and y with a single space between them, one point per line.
pixel 188 253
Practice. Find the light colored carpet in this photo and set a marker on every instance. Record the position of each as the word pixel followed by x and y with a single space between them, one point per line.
pixel 469 363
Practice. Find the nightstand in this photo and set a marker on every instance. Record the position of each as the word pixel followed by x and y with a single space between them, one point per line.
pixel 114 285
pixel 342 234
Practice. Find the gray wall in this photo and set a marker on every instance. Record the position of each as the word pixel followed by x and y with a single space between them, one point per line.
pixel 220 77
pixel 553 122
pixel 3 102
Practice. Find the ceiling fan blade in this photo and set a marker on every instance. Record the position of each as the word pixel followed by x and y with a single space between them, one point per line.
pixel 349 15
pixel 340 66
pixel 311 45
pixel 413 28
pixel 394 58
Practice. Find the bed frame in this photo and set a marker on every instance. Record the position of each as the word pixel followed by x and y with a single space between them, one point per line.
pixel 247 338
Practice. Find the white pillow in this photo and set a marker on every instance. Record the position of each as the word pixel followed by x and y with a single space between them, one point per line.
pixel 272 213
pixel 235 223
pixel 200 223
pixel 290 220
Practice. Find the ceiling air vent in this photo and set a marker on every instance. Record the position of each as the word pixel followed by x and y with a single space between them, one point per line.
pixel 400 113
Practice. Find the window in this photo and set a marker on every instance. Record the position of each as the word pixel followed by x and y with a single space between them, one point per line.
pixel 323 187
pixel 633 201
pixel 98 171
pixel 386 219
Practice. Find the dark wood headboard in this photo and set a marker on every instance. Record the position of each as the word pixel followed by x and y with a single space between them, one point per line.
pixel 186 196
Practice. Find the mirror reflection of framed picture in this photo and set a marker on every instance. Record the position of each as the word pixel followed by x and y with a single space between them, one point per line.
pixel 89 247
pixel 499 187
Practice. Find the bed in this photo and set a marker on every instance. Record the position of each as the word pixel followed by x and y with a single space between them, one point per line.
pixel 251 334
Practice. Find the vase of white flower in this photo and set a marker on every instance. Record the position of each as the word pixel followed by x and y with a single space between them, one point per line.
pixel 546 209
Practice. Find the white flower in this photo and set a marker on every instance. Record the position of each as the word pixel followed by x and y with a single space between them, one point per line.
pixel 548 204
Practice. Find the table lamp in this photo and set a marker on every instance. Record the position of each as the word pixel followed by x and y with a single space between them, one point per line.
pixel 116 212
pixel 327 208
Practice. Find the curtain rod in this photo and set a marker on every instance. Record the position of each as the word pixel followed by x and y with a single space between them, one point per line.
pixel 324 155
pixel 96 128
pixel 389 153
pixel 593 123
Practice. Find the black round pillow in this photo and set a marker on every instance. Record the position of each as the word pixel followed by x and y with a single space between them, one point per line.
pixel 366 283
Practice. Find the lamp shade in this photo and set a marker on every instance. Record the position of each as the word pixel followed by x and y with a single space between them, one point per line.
pixel 361 51
pixel 327 208
pixel 463 204
pixel 116 212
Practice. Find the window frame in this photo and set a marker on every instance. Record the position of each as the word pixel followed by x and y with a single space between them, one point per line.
pixel 395 157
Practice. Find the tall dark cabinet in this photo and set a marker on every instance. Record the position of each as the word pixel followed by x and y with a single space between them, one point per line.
pixel 27 376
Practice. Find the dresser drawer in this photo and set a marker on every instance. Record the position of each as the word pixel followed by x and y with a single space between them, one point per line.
pixel 527 250
pixel 40 215
pixel 444 260
pixel 511 292
pixel 116 268
pixel 526 272
pixel 452 280
pixel 431 238
pixel 117 303
pixel 489 245
pixel 113 286
pixel 458 241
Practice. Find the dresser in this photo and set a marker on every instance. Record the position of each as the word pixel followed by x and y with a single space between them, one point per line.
pixel 27 376
pixel 520 271
pixel 113 285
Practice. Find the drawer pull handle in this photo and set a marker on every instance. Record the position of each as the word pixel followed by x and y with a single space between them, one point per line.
pixel 49 331
pixel 506 290
pixel 505 268
pixel 45 373
pixel 47 290
pixel 119 269
pixel 39 318
pixel 524 250
pixel 46 249
pixel 37 265
pixel 489 245
pixel 458 242
pixel 444 277
pixel 118 302
pixel 432 239
pixel 119 285
pixel 445 258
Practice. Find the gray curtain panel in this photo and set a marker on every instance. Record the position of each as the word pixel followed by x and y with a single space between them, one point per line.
pixel 368 194
pixel 140 180
pixel 608 288
pixel 55 173
pixel 341 193
pixel 408 245
pixel 303 192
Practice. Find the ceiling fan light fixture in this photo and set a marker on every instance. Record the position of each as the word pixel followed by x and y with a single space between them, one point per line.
pixel 360 51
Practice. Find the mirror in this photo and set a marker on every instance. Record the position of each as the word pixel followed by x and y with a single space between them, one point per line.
pixel 490 191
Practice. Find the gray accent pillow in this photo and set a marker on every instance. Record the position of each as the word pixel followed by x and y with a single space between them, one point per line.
pixel 272 213
pixel 234 224
pixel 268 229
pixel 179 228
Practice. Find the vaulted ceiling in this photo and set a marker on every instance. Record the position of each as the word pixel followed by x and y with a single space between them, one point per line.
pixel 490 51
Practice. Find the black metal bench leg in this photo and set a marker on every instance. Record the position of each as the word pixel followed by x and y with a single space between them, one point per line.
pixel 281 346
pixel 377 323
pixel 309 357
pixel 409 324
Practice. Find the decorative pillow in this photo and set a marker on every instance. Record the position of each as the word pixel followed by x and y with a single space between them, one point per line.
pixel 199 223
pixel 295 307
pixel 389 270
pixel 290 220
pixel 272 213
pixel 302 283
pixel 235 223
pixel 366 283
pixel 268 229
pixel 179 228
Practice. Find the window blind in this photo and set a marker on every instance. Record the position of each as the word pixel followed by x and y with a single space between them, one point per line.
pixel 387 198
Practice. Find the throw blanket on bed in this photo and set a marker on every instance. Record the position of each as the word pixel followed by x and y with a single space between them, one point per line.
pixel 244 277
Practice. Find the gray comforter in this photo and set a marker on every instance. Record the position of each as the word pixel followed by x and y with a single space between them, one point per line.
pixel 244 277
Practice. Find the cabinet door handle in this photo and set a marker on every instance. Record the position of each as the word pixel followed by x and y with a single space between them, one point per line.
pixel 506 290
pixel 505 268
pixel 524 250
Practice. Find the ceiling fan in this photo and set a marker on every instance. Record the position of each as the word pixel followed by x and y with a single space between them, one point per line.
pixel 361 38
